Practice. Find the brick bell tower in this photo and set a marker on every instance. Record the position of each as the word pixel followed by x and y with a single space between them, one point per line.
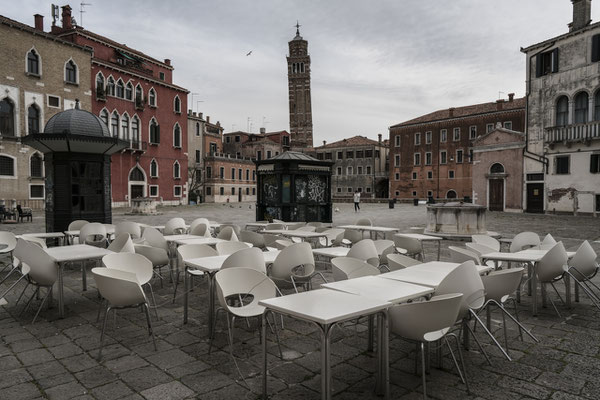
pixel 301 129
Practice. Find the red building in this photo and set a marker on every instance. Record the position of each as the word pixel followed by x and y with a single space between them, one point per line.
pixel 135 95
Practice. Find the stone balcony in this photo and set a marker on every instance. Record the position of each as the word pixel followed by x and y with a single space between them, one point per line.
pixel 573 133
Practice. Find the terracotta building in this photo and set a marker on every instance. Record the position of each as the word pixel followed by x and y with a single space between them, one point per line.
pixel 431 156
pixel 497 169
pixel 259 146
pixel 360 165
pixel 40 75
pixel 298 64
pixel 135 95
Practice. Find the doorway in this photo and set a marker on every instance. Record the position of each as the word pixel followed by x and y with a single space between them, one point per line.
pixel 137 183
pixel 240 195
pixel 496 193
pixel 535 197
pixel 137 191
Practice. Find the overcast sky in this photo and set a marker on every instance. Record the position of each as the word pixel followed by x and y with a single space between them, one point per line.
pixel 374 62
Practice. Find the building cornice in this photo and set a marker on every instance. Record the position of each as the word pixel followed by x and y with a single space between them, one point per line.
pixel 437 121
pixel 139 76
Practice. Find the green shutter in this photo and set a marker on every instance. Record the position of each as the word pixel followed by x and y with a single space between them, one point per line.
pixel 539 64
pixel 555 60
pixel 595 48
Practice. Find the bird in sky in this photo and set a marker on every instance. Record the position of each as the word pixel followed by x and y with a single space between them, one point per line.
pixel 250 52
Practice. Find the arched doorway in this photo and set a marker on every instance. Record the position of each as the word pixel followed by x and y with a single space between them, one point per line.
pixel 496 187
pixel 451 194
pixel 137 183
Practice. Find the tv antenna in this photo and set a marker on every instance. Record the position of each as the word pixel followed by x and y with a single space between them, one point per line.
pixel 500 95
pixel 82 11
pixel 54 13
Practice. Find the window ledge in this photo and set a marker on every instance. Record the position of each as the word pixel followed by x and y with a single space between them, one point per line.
pixel 153 144
pixel 177 147
pixel 33 75
pixel 71 83
pixel 152 106
pixel 177 112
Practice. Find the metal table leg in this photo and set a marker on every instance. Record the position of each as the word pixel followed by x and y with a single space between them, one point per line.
pixel 371 333
pixel 185 295
pixel 439 242
pixel 567 279
pixel 211 300
pixel 325 363
pixel 61 294
pixel 382 385
pixel 263 327
pixel 533 289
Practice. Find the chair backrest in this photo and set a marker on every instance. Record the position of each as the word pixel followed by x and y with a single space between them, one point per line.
pixel 500 284
pixel 460 255
pixel 255 238
pixel 344 268
pixel 199 221
pixel 364 222
pixel 487 241
pixel 548 242
pixel 353 235
pixel 175 226
pixel 77 225
pixel 400 261
pixel 133 228
pixel 425 320
pixel 189 251
pixel 227 233
pixel 551 265
pixel 20 251
pixel 130 262
pixel 200 229
pixel 9 239
pixel 466 280
pixel 251 258
pixel 384 246
pixel 281 244
pixel 155 239
pixel 290 258
pixel 479 249
pixel 273 226
pixel 365 250
pixel 524 240
pixel 244 281
pixel 583 264
pixel 334 236
pixel 411 245
pixel 158 257
pixel 227 248
pixel 295 226
pixel 120 288
pixel 37 241
pixel 307 228
pixel 270 239
pixel 122 244
pixel 236 228
pixel 43 269
pixel 93 234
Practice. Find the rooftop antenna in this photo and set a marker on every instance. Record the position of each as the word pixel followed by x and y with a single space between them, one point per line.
pixel 248 124
pixel 54 13
pixel 82 11
pixel 265 122
pixel 500 95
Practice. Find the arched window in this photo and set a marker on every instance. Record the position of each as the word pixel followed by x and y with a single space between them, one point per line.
pixel 71 72
pixel 100 80
pixel 35 166
pixel 110 86
pixel 153 169
pixel 451 194
pixel 497 168
pixel 135 129
pixel 562 111
pixel 177 136
pixel 114 124
pixel 139 95
pixel 7 166
pixel 152 97
pixel 177 104
pixel 154 132
pixel 7 118
pixel 33 119
pixel 129 91
pixel 176 170
pixel 136 175
pixel 597 106
pixel 581 108
pixel 33 62
pixel 125 127
pixel 104 117
pixel 120 89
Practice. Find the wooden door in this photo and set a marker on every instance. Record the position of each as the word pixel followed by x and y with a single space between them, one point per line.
pixel 496 201
pixel 137 191
pixel 535 197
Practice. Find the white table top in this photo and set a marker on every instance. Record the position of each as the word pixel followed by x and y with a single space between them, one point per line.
pixel 337 251
pixel 182 236
pixel 76 252
pixel 295 233
pixel 44 235
pixel 211 241
pixel 213 264
pixel 529 255
pixel 369 228
pixel 110 230
pixel 324 306
pixel 428 274
pixel 373 287
pixel 419 236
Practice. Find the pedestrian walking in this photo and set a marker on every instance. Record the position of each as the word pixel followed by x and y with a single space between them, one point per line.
pixel 356 201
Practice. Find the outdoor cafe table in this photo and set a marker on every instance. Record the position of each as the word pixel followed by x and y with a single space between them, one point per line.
pixel 66 254
pixel 326 308
pixel 331 252
pixel 530 257
pixel 192 239
pixel 48 235
pixel 298 234
pixel 110 230
pixel 212 265
pixel 371 229
pixel 428 274
pixel 424 238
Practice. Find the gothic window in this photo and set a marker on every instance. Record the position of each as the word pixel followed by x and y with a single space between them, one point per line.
pixel 177 136
pixel 581 108
pixel 129 91
pixel 152 97
pixel 135 129
pixel 136 175
pixel 114 124
pixel 120 89
pixel 100 85
pixel 154 132
pixel 597 105
pixel 139 96
pixel 33 119
pixel 496 168
pixel 176 170
pixel 104 116
pixel 110 86
pixel 35 166
pixel 7 118
pixel 125 127
pixel 33 62
pixel 153 169
pixel 71 72
pixel 177 104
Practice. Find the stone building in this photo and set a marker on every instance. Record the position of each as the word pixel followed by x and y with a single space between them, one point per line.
pixel 259 146
pixel 298 63
pixel 498 169
pixel 360 164
pixel 135 95
pixel 40 75
pixel 229 178
pixel 431 156
pixel 562 157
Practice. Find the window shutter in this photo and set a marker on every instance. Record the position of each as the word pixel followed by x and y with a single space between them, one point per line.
pixel 157 133
pixel 595 48
pixel 538 65
pixel 555 60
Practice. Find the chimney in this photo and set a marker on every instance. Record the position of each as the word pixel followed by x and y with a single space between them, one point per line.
pixel 167 61
pixel 511 96
pixel 582 11
pixel 451 112
pixel 379 136
pixel 39 22
pixel 499 103
pixel 200 115
pixel 66 17
pixel 208 119
pixel 219 124
pixel 324 142
pixel 263 131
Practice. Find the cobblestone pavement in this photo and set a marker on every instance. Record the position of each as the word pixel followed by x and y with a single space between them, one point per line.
pixel 56 358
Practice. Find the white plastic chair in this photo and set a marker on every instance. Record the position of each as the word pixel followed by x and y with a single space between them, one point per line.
pixel 426 322
pixel 294 226
pixel 294 265
pixel 365 250
pixel 334 237
pixel 254 238
pixel 228 233
pixel 344 268
pixel 399 261
pixel 187 252
pixel 18 266
pixel 158 257
pixel 274 226
pixel 582 268
pixel 236 228
pixel 227 248
pixel 351 236
pixel 460 255
pixel 133 228
pixel 410 246
pixel 487 241
pixel 481 250
pixel 37 241
pixel 93 234
pixel 120 289
pixel 384 247
pixel 201 230
pixel 152 237
pixel 199 221
pixel 122 244
pixel 550 269
pixel 76 226
pixel 548 242
pixel 250 257
pixel 364 222
pixel 281 244
pixel 523 241
pixel 175 226
pixel 9 240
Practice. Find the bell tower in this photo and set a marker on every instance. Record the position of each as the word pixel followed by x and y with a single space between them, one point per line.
pixel 298 62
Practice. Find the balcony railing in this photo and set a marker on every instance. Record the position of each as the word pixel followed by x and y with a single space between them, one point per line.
pixel 573 133
pixel 137 145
